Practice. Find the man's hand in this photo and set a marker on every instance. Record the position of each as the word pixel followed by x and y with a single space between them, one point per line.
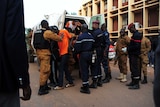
pixel 26 93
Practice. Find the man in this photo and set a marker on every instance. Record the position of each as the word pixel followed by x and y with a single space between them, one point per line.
pixel 99 46
pixel 84 47
pixel 105 60
pixel 134 51
pixel 13 54
pixel 55 58
pixel 156 87
pixel 121 55
pixel 145 48
pixel 63 67
pixel 42 45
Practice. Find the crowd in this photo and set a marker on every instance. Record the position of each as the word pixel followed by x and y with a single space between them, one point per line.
pixel 59 50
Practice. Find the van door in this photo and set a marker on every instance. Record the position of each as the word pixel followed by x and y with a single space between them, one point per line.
pixel 99 17
pixel 61 20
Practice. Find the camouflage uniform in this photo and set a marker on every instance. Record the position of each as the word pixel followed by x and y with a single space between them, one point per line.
pixel 145 48
pixel 122 42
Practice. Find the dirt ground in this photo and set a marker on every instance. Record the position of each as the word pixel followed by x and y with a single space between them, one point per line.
pixel 113 94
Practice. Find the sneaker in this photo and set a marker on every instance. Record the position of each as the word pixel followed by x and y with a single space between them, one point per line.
pixel 69 85
pixel 58 88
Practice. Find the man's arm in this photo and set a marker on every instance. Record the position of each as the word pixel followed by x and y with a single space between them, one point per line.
pixel 48 34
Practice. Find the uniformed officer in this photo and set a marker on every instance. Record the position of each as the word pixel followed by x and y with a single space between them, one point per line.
pixel 99 46
pixel 134 51
pixel 41 44
pixel 84 47
pixel 105 60
pixel 145 48
pixel 121 55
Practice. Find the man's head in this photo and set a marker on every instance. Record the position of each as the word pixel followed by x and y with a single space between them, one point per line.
pixel 54 29
pixel 122 32
pixel 95 24
pixel 131 27
pixel 44 24
pixel 103 27
pixel 84 27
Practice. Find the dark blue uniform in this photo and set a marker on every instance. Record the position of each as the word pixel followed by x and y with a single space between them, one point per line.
pixel 99 46
pixel 105 58
pixel 84 47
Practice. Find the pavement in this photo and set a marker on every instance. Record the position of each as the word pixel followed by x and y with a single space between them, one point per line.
pixel 113 94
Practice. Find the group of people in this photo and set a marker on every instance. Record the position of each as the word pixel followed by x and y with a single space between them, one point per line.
pixel 136 49
pixel 90 48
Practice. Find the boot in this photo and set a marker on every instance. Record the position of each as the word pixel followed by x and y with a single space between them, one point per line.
pixel 47 88
pixel 136 85
pixel 99 83
pixel 131 83
pixel 85 89
pixel 110 76
pixel 145 80
pixel 42 90
pixel 106 79
pixel 120 76
pixel 93 84
pixel 124 79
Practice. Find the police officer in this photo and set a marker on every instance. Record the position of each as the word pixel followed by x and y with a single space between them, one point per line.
pixel 145 48
pixel 41 44
pixel 134 51
pixel 121 55
pixel 105 60
pixel 84 47
pixel 99 46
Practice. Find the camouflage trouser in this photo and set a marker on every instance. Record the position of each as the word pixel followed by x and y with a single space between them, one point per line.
pixel 44 68
pixel 122 63
pixel 144 62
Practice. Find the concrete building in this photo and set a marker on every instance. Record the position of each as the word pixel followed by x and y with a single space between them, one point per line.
pixel 119 13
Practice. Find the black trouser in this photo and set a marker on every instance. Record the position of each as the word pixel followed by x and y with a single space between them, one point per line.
pixel 135 66
pixel 156 88
pixel 85 62
pixel 96 68
pixel 63 67
pixel 53 75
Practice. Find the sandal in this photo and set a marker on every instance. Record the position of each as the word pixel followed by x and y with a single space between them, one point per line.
pixel 58 88
pixel 69 85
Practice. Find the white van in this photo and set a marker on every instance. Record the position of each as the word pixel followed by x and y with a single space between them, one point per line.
pixel 64 18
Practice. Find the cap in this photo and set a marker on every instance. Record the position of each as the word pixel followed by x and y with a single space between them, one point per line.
pixel 95 22
pixel 130 25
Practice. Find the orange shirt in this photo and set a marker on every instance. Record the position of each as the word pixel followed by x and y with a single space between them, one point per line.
pixel 63 45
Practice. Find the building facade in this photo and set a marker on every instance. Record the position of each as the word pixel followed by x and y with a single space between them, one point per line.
pixel 119 13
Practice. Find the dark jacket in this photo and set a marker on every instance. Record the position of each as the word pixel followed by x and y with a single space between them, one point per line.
pixel 134 48
pixel 156 89
pixel 99 37
pixel 84 43
pixel 13 52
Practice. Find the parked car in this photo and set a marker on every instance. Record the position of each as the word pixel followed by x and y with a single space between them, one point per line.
pixel 112 52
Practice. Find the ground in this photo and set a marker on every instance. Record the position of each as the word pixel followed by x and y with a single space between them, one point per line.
pixel 113 94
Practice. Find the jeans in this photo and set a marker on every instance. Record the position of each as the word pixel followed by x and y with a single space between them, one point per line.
pixel 63 67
